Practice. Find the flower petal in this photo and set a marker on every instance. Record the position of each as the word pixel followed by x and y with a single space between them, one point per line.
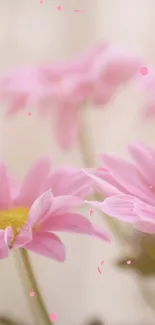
pixel 129 177
pixel 5 195
pixel 144 156
pixel 68 180
pixel 40 208
pixel 48 245
pixel 33 181
pixel 100 185
pixel 24 236
pixel 69 222
pixel 8 236
pixel 146 227
pixel 119 206
pixel 145 211
pixel 65 203
pixel 67 124
pixel 74 223
pixel 4 250
pixel 120 67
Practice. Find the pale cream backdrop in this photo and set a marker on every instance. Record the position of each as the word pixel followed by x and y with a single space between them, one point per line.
pixel 31 32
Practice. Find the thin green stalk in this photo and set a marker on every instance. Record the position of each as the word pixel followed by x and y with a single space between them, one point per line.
pixel 30 284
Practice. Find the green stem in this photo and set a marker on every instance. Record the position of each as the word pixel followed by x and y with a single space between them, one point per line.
pixel 30 284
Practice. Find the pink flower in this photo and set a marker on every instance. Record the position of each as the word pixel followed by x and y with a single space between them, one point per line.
pixel 129 189
pixel 60 90
pixel 30 213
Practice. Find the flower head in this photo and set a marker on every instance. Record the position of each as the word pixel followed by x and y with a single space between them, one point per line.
pixel 129 189
pixel 61 89
pixel 31 212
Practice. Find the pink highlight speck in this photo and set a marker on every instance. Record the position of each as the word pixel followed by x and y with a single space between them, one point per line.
pixel 32 293
pixel 144 71
pixel 53 317
pixel 76 10
pixel 41 1
pixel 91 212
pixel 59 8
pixel 128 262
pixel 29 113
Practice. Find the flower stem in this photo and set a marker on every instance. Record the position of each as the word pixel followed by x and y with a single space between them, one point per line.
pixel 30 284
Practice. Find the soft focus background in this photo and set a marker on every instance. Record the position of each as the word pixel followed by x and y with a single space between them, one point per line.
pixel 31 32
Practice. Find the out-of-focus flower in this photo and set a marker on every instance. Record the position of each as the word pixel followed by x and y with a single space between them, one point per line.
pixel 129 189
pixel 30 213
pixel 62 88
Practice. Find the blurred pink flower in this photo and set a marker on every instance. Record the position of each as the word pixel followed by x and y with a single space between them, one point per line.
pixel 60 90
pixel 129 189
pixel 30 212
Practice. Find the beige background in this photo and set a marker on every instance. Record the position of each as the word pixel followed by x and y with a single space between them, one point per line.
pixel 31 32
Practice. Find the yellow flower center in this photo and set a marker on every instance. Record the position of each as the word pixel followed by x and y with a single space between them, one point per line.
pixel 15 218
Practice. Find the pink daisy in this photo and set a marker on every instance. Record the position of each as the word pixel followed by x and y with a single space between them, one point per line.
pixel 60 90
pixel 30 213
pixel 129 189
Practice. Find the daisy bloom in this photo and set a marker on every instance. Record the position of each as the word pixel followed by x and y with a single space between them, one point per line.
pixel 128 188
pixel 61 89
pixel 32 211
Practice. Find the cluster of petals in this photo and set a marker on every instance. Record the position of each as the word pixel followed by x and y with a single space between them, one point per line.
pixel 128 188
pixel 44 203
pixel 60 89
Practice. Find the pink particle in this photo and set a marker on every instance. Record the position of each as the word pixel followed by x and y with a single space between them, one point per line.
pixel 144 71
pixel 29 113
pixel 41 1
pixel 32 293
pixel 53 317
pixel 91 212
pixel 128 262
pixel 59 8
pixel 76 10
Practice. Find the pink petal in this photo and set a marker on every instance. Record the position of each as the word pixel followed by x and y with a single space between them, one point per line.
pixel 5 196
pixel 100 233
pixel 17 105
pixel 69 222
pixel 119 206
pixel 106 176
pixel 145 211
pixel 68 180
pixel 8 236
pixel 74 223
pixel 33 182
pixel 144 156
pixel 67 125
pixel 129 177
pixel 146 227
pixel 102 93
pixel 65 203
pixel 4 250
pixel 100 185
pixel 48 245
pixel 24 236
pixel 40 208
pixel 120 67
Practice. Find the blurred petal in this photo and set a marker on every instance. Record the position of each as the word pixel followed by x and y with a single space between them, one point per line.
pixel 33 181
pixel 67 124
